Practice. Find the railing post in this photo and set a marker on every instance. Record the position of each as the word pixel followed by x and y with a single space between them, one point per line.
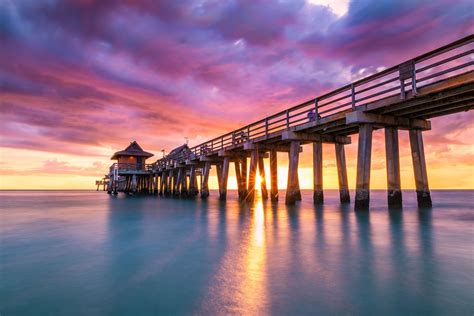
pixel 266 127
pixel 413 81
pixel 222 142
pixel 316 109
pixel 287 119
pixel 353 97
pixel 406 71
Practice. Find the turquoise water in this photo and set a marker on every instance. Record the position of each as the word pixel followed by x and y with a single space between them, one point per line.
pixel 87 253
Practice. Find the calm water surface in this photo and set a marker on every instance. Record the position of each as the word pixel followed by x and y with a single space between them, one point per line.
pixel 87 253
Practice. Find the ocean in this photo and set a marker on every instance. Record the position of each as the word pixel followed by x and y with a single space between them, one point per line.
pixel 89 253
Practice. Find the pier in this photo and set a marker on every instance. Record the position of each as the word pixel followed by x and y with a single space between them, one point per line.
pixel 402 97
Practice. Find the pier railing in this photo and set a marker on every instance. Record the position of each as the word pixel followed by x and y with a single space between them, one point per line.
pixel 131 167
pixel 447 61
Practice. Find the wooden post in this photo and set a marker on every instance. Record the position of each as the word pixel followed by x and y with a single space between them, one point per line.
pixel 134 183
pixel 156 184
pixel 169 186
pixel 219 175
pixel 298 190
pixel 318 195
pixel 342 174
pixel 419 166
pixel 224 178
pixel 252 175
pixel 184 184
pixel 205 180
pixel 243 177
pixel 394 192
pixel 273 175
pixel 193 190
pixel 178 182
pixel 263 181
pixel 238 176
pixel 363 167
pixel 163 183
pixel 292 190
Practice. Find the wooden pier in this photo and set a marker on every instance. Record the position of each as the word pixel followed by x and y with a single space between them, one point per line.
pixel 403 97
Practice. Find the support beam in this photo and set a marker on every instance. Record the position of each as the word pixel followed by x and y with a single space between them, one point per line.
pixel 360 117
pixel 273 176
pixel 394 192
pixel 252 175
pixel 318 195
pixel 419 166
pixel 223 179
pixel 263 181
pixel 363 167
pixel 342 174
pixel 313 137
pixel 205 180
pixel 292 190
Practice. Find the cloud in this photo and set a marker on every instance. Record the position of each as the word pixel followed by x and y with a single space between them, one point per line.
pixel 80 76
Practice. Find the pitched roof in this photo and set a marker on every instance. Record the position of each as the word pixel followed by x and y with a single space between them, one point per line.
pixel 132 150
pixel 179 152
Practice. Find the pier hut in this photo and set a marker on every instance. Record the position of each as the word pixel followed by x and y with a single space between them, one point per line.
pixel 131 174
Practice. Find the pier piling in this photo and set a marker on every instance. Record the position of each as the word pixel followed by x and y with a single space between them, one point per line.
pixel 344 195
pixel 273 176
pixel 263 181
pixel 223 179
pixel 252 175
pixel 205 180
pixel 394 192
pixel 293 190
pixel 419 166
pixel 363 167
pixel 318 195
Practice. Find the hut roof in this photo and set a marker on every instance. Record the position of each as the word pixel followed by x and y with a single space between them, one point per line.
pixel 180 151
pixel 132 150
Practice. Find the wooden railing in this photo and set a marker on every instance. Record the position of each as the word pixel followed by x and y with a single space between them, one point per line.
pixel 447 61
pixel 131 167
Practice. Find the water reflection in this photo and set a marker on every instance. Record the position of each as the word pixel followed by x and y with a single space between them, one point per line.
pixel 240 280
pixel 169 256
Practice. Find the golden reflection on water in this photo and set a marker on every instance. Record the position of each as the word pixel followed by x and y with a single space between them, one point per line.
pixel 241 279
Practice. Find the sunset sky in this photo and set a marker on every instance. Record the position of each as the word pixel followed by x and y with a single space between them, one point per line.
pixel 80 79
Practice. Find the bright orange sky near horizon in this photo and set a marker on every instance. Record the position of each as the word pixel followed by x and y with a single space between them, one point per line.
pixel 80 80
pixel 449 166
